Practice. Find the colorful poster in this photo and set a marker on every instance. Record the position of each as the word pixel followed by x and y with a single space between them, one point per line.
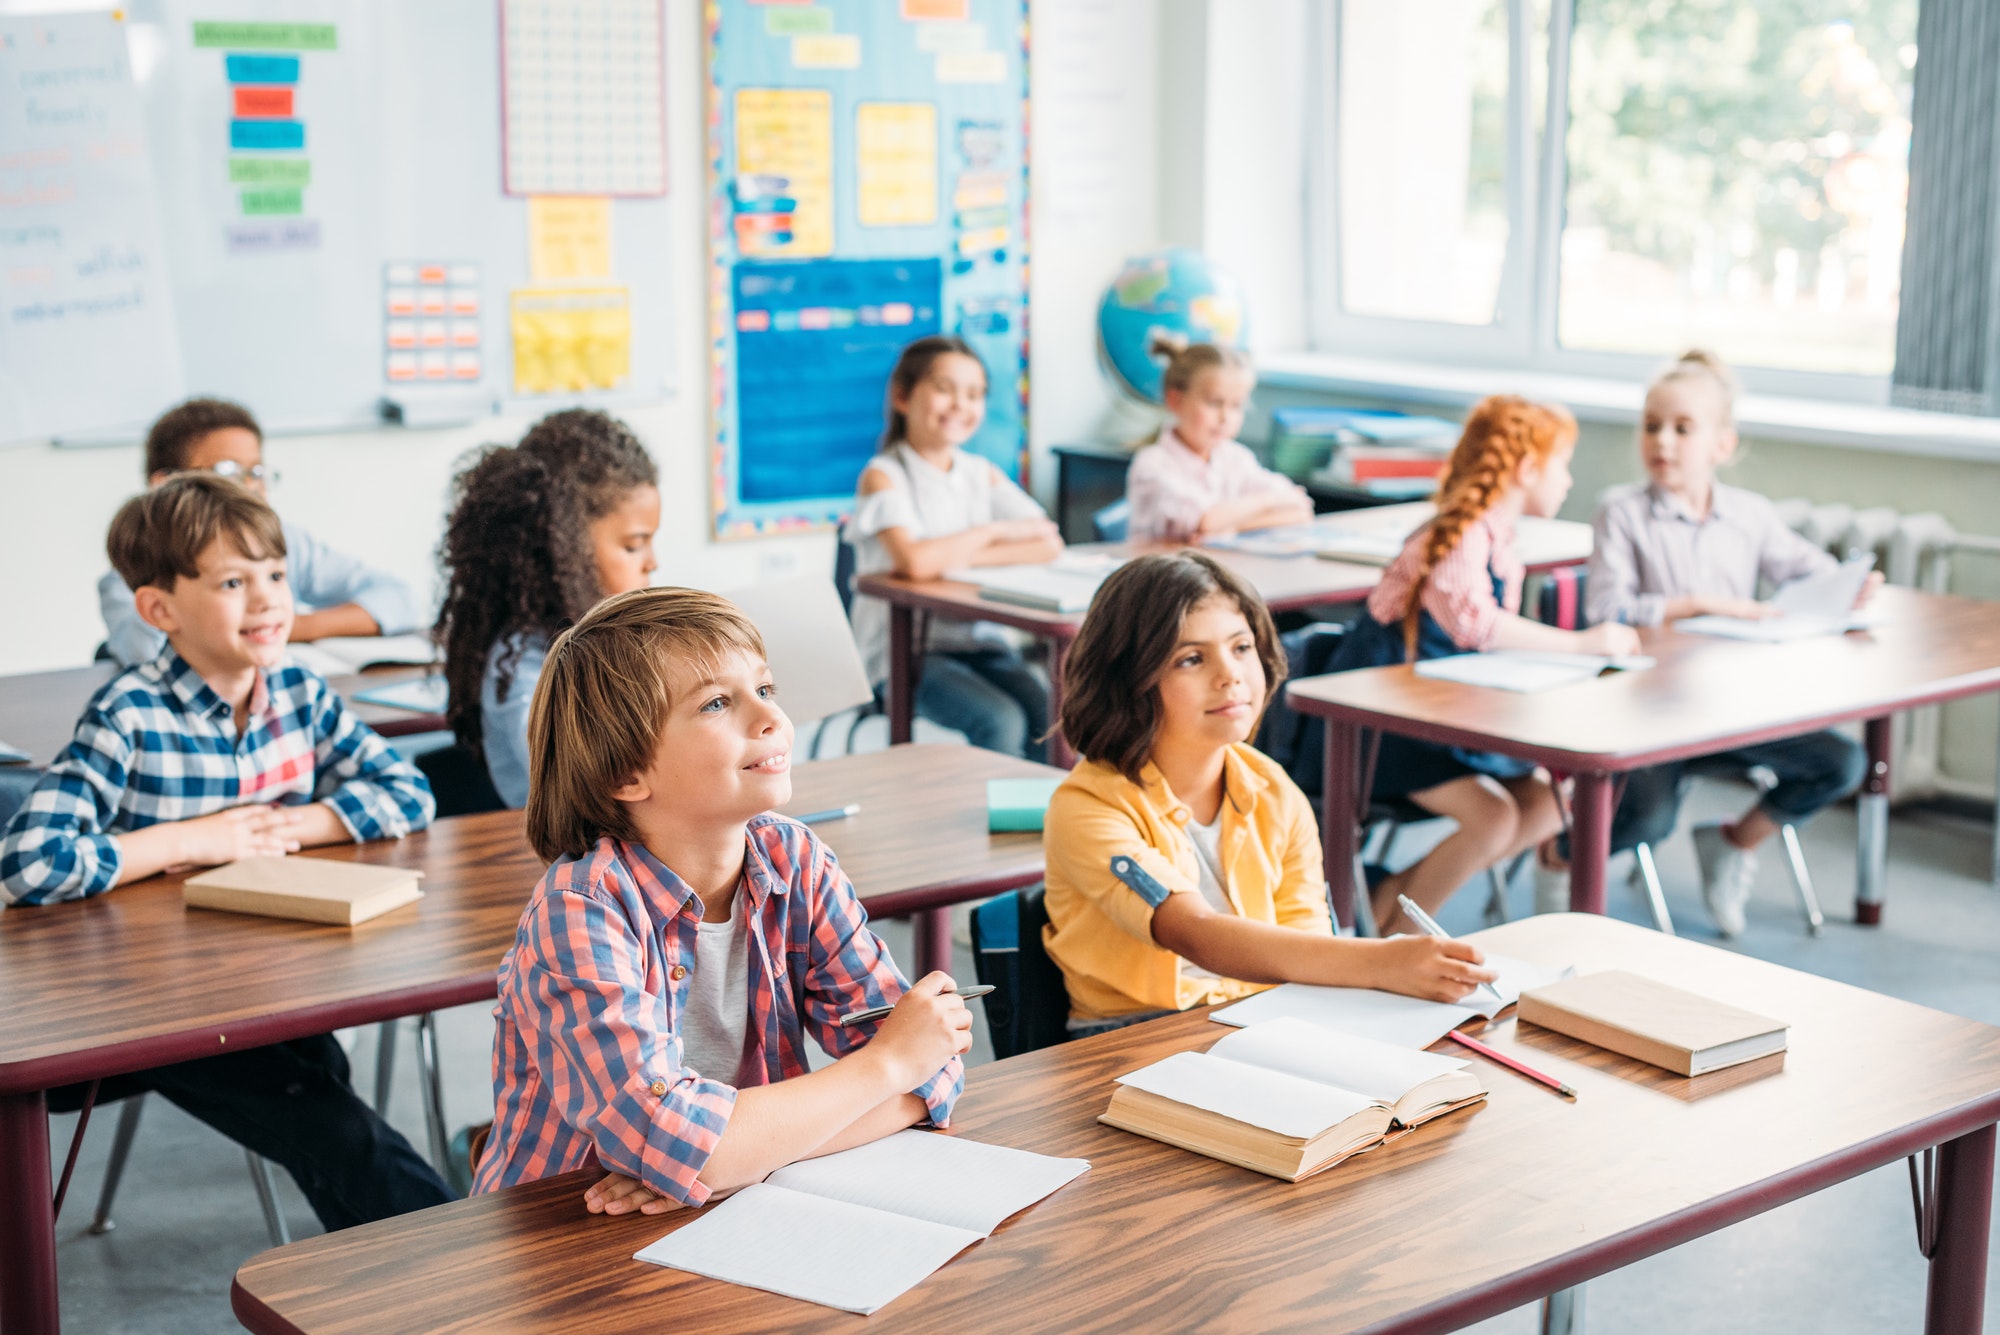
pixel 896 163
pixel 784 172
pixel 571 339
pixel 569 238
pixel 431 322
pixel 584 97
pixel 262 66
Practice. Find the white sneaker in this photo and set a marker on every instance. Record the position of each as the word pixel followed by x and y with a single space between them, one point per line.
pixel 1551 888
pixel 1726 875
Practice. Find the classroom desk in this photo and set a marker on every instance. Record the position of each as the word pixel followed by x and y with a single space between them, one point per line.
pixel 39 710
pixel 1472 1215
pixel 130 979
pixel 1286 584
pixel 1705 695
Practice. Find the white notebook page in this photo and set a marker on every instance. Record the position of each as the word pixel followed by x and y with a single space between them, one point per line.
pixel 1313 1052
pixel 1278 1102
pixel 925 1175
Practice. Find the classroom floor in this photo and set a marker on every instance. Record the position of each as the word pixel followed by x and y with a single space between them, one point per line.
pixel 1839 1262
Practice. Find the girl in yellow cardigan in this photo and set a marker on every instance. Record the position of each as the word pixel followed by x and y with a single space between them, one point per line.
pixel 1183 865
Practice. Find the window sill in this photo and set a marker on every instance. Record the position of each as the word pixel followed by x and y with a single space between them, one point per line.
pixel 1593 399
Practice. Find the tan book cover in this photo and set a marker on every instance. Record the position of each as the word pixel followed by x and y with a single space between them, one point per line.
pixel 1653 1022
pixel 308 889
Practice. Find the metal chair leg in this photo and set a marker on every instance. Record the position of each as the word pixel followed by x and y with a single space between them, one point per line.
pixel 385 1064
pixel 1562 1312
pixel 431 1085
pixel 1649 879
pixel 1501 880
pixel 267 1197
pixel 121 1149
pixel 1802 879
pixel 1364 907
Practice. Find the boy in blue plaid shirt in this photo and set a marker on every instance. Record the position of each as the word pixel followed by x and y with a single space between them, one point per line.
pixel 216 750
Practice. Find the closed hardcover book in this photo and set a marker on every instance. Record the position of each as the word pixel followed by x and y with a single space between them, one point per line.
pixel 1018 804
pixel 306 889
pixel 1653 1022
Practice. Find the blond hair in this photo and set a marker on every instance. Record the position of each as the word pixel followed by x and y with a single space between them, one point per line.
pixel 1187 361
pixel 602 703
pixel 158 536
pixel 1500 432
pixel 1701 364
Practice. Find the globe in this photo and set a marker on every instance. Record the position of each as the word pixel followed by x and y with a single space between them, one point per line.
pixel 1173 291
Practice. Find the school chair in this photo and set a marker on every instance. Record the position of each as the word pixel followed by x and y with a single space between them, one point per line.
pixel 261 1179
pixel 843 582
pixel 16 782
pixel 1029 1005
pixel 459 781
pixel 1561 604
pixel 1112 523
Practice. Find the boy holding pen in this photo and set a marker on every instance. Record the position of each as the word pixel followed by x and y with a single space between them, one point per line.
pixel 654 1007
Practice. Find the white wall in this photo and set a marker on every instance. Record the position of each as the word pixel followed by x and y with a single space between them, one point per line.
pixel 382 494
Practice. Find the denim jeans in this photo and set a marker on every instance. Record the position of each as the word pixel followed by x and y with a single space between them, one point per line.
pixel 293 1104
pixel 991 695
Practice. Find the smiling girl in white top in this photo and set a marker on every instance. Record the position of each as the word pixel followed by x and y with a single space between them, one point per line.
pixel 925 506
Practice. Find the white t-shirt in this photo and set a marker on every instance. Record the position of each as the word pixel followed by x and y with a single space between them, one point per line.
pixel 927 502
pixel 1207 841
pixel 716 1019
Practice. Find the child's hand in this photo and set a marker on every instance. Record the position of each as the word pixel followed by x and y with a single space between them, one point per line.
pixel 240 832
pixel 1745 609
pixel 929 1027
pixel 1431 967
pixel 1610 640
pixel 619 1194
pixel 1868 589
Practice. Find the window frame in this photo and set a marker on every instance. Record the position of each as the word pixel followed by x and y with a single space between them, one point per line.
pixel 1523 336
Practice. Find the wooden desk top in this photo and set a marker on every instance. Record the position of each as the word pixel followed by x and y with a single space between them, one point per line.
pixel 1464 1218
pixel 39 710
pixel 1705 695
pixel 132 979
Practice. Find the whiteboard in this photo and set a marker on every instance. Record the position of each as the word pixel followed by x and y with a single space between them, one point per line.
pixel 401 118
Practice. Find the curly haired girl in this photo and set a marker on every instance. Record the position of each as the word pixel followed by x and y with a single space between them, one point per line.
pixel 539 533
pixel 1455 589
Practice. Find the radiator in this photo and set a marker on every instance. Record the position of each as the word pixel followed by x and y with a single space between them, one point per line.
pixel 1915 551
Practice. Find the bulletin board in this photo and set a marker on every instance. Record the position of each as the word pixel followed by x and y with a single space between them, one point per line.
pixel 867 185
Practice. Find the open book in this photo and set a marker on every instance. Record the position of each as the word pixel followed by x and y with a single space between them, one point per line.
pixel 1066 584
pixel 1389 1017
pixel 1289 1098
pixel 857 1229
pixel 1525 672
pixel 1821 604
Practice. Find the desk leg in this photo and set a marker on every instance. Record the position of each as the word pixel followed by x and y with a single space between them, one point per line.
pixel 932 930
pixel 1562 1312
pixel 27 1218
pixel 1589 841
pixel 1871 833
pixel 1338 803
pixel 1060 754
pixel 902 672
pixel 1955 1302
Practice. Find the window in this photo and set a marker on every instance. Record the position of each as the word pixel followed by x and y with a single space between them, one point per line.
pixel 1724 173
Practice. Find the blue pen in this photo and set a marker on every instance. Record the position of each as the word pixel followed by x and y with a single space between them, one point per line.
pixel 831 813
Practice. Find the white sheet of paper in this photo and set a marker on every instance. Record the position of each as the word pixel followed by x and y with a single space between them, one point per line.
pixel 1775 630
pixel 1515 670
pixel 337 654
pixel 1066 589
pixel 947 1180
pixel 1388 1017
pixel 1332 1057
pixel 805 1246
pixel 814 662
pixel 1278 1102
pixel 1829 594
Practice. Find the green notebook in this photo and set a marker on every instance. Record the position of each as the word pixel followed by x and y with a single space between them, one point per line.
pixel 1017 804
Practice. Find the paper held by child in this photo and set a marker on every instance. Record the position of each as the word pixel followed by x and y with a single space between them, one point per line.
pixel 857 1229
pixel 1817 605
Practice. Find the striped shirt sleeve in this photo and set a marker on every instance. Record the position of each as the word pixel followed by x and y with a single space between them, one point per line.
pixel 59 845
pixel 376 793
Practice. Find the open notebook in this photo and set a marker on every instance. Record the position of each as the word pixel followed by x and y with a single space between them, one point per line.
pixel 857 1229
pixel 1524 672
pixel 1066 584
pixel 1389 1017
pixel 1289 1098
pixel 1821 604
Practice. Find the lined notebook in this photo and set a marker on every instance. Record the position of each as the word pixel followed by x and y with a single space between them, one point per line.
pixel 857 1229
pixel 1654 1022
pixel 1289 1098
pixel 1388 1017
pixel 307 889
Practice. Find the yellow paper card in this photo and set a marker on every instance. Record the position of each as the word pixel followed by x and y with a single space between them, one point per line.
pixel 784 140
pixel 569 238
pixel 571 339
pixel 896 150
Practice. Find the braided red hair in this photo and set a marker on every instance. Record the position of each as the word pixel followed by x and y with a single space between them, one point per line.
pixel 1500 432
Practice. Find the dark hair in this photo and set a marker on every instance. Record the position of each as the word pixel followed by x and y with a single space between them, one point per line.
pixel 618 662
pixel 912 366
pixel 1111 678
pixel 516 556
pixel 158 536
pixel 175 434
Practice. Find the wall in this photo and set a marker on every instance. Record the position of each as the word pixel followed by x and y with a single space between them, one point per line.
pixel 382 494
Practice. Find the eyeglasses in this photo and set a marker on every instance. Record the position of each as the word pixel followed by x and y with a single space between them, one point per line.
pixel 236 472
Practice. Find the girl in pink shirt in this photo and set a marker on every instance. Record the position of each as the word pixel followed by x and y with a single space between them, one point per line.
pixel 1456 589
pixel 1197 480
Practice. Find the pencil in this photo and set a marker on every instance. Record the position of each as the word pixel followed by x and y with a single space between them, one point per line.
pixel 1494 1054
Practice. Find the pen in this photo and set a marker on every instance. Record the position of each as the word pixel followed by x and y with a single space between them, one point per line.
pixel 1494 1054
pixel 1429 927
pixel 831 813
pixel 877 1012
